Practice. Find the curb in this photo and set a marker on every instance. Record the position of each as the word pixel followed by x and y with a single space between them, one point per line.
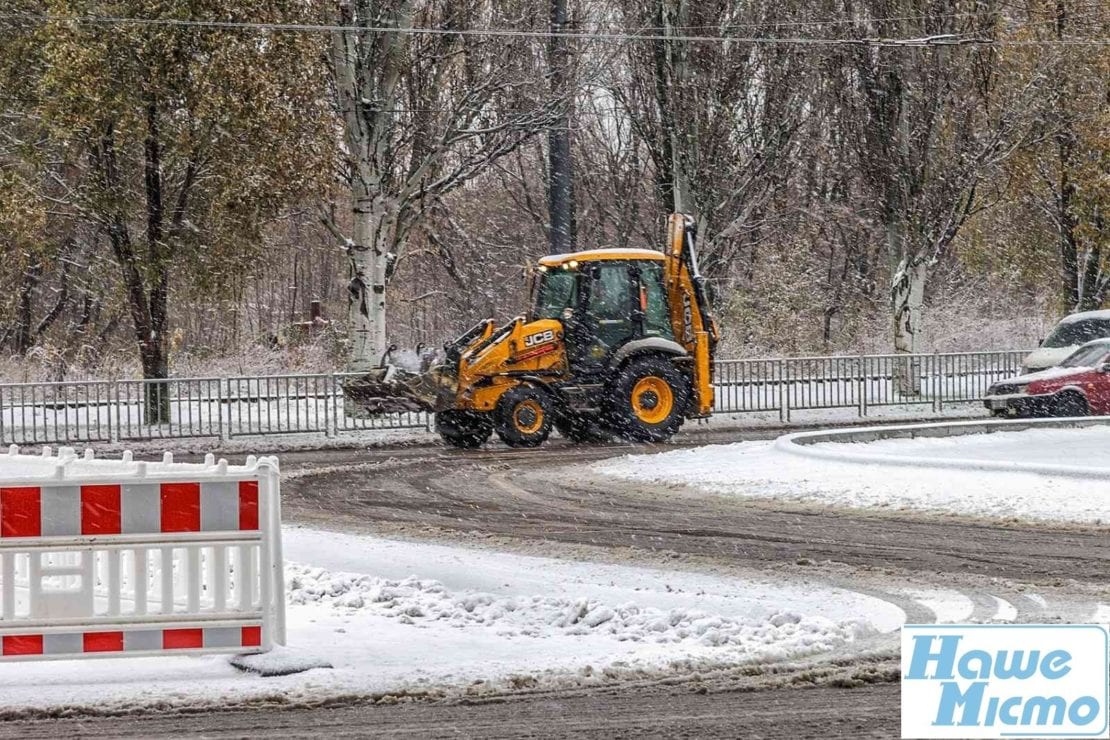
pixel 801 444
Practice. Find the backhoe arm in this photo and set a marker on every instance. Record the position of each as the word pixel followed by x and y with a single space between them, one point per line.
pixel 693 325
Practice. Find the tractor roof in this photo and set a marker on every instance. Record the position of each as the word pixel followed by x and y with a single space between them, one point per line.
pixel 594 255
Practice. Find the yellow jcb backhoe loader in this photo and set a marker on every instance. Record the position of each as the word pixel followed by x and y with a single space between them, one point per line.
pixel 617 342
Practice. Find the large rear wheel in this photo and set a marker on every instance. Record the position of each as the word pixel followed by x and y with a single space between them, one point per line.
pixel 524 416
pixel 463 429
pixel 647 400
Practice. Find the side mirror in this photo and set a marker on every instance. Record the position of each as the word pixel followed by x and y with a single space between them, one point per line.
pixel 1040 343
pixel 1104 368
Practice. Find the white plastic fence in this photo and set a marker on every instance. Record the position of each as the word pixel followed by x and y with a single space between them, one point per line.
pixel 103 411
pixel 110 558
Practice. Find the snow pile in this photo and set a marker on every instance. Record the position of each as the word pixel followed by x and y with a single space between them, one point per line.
pixel 421 602
pixel 402 617
pixel 759 470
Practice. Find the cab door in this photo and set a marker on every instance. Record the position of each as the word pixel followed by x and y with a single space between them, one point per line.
pixel 604 319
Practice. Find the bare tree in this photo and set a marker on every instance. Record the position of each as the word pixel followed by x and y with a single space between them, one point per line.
pixel 927 139
pixel 718 120
pixel 560 189
pixel 421 116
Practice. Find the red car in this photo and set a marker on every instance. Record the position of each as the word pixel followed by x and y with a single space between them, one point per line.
pixel 1078 386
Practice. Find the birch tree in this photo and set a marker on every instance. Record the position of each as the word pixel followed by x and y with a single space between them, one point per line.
pixel 422 115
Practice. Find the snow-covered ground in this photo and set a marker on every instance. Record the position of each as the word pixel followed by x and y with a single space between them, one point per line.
pixel 395 616
pixel 762 470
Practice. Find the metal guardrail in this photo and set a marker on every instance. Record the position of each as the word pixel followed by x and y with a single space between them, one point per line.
pixel 130 410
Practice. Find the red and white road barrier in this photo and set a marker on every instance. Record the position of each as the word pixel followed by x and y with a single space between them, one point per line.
pixel 118 557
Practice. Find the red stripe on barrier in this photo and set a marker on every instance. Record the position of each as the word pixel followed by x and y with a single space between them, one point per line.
pixel 103 642
pixel 20 512
pixel 100 510
pixel 180 507
pixel 177 639
pixel 22 645
pixel 252 636
pixel 248 504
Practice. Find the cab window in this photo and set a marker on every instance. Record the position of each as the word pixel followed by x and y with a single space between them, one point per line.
pixel 657 322
pixel 557 290
pixel 610 297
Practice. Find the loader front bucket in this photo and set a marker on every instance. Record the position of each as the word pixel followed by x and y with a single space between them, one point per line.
pixel 392 390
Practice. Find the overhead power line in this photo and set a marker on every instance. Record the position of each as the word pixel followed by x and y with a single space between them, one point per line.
pixel 939 40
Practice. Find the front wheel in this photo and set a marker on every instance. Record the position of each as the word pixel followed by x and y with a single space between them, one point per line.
pixel 524 416
pixel 1068 405
pixel 647 400
pixel 463 429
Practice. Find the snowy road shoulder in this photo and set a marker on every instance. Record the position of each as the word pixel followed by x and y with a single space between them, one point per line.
pixel 760 470
pixel 401 617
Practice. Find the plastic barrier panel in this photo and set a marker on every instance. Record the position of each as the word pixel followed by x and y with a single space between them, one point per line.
pixel 118 557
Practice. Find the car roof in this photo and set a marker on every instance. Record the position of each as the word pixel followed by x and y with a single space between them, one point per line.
pixel 591 255
pixel 1103 314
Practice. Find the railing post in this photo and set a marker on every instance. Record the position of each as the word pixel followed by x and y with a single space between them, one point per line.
pixel 114 400
pixel 862 386
pixel 937 385
pixel 784 393
pixel 329 401
pixel 225 424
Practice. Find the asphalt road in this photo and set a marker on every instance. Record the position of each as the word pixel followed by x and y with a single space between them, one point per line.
pixel 538 501
pixel 673 713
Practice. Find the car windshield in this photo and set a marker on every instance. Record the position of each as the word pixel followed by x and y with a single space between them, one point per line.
pixel 1087 356
pixel 1077 332
pixel 557 290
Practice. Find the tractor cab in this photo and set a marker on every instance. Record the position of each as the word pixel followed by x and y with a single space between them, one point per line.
pixel 604 298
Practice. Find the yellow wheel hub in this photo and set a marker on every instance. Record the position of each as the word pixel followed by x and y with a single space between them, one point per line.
pixel 652 400
pixel 528 416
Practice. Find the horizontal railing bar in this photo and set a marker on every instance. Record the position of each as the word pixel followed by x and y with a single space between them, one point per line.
pixel 126 542
pixel 66 624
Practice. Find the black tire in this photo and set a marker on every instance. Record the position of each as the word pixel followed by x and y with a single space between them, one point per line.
pixel 579 428
pixel 464 429
pixel 647 400
pixel 524 416
pixel 1069 404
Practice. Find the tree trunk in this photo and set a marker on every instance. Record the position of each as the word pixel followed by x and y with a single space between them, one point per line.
pixel 24 331
pixel 671 74
pixel 148 309
pixel 156 392
pixel 907 298
pixel 560 191
pixel 374 227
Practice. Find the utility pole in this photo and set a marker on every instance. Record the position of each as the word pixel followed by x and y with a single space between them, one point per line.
pixel 560 175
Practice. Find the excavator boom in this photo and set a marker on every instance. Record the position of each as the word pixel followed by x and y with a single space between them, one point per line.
pixel 693 325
